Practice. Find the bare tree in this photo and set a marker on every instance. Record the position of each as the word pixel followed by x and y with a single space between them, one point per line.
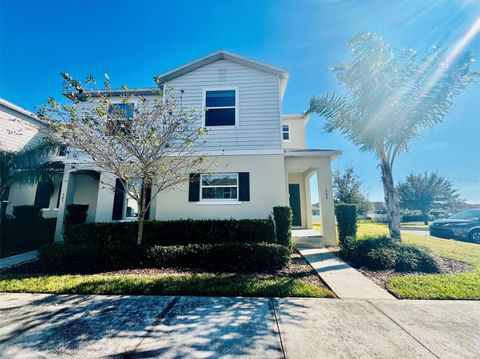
pixel 152 141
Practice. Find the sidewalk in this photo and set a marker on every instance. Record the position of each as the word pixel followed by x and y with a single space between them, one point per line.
pixel 345 281
pixel 18 259
pixel 85 326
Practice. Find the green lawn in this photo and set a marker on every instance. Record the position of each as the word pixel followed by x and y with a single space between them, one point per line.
pixel 182 284
pixel 449 286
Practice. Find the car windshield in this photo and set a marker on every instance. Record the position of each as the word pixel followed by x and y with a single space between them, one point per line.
pixel 473 213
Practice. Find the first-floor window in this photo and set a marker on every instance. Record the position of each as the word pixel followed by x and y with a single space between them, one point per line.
pixel 219 186
pixel 124 206
pixel 131 207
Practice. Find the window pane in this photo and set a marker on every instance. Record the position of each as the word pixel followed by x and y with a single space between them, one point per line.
pixel 219 193
pixel 220 117
pixel 285 128
pixel 132 207
pixel 121 110
pixel 286 135
pixel 224 179
pixel 220 98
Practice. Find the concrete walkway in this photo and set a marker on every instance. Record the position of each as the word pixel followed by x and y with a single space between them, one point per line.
pixel 344 280
pixel 75 326
pixel 18 259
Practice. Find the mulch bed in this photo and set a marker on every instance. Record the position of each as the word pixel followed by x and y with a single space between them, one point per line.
pixel 447 266
pixel 297 269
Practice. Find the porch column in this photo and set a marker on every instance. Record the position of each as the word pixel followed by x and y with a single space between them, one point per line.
pixel 325 199
pixel 66 197
pixel 105 196
pixel 308 200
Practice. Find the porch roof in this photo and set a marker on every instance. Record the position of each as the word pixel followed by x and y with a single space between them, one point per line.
pixel 332 154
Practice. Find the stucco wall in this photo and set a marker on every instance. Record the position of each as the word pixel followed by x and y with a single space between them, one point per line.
pixel 86 192
pixel 297 138
pixel 267 189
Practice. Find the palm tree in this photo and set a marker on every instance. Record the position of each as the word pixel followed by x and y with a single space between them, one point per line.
pixel 27 166
pixel 390 98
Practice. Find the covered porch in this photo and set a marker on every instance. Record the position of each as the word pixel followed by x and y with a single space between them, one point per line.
pixel 300 167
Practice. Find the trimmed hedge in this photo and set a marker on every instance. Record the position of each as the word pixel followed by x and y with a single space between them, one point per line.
pixel 76 214
pixel 381 252
pixel 91 258
pixel 26 234
pixel 180 232
pixel 346 221
pixel 283 225
pixel 27 213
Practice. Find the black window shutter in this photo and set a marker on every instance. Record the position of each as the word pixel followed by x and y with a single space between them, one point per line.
pixel 43 194
pixel 244 186
pixel 118 200
pixel 194 188
pixel 59 193
pixel 148 197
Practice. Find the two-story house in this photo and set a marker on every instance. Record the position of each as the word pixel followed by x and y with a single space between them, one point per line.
pixel 20 129
pixel 260 155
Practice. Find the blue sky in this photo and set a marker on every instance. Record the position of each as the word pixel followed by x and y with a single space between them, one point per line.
pixel 132 41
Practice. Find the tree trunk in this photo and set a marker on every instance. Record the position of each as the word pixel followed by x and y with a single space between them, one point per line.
pixel 425 218
pixel 391 201
pixel 141 214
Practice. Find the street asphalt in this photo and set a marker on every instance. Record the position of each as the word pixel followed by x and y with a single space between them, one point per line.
pixel 74 326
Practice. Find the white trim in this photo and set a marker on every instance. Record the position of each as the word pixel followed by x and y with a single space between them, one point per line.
pixel 237 109
pixel 219 200
pixel 313 153
pixel 220 55
pixel 210 203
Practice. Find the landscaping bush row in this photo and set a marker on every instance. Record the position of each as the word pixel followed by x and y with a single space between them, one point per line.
pixel 381 252
pixel 346 215
pixel 28 230
pixel 179 232
pixel 232 256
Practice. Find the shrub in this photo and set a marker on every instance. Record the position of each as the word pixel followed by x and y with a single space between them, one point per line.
pixel 27 214
pixel 415 259
pixel 381 252
pixel 346 221
pixel 76 214
pixel 24 234
pixel 89 258
pixel 231 256
pixel 283 225
pixel 180 232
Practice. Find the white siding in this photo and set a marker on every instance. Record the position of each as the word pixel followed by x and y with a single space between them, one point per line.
pixel 259 108
pixel 16 130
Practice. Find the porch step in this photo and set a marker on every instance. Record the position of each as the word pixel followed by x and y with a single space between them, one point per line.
pixel 308 242
pixel 307 238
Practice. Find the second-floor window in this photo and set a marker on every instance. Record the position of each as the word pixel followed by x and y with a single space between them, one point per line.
pixel 120 117
pixel 285 132
pixel 220 108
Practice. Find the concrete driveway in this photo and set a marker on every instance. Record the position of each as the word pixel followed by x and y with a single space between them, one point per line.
pixel 52 326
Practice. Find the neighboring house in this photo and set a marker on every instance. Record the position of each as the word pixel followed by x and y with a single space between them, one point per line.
pixel 261 157
pixel 315 212
pixel 20 128
pixel 377 212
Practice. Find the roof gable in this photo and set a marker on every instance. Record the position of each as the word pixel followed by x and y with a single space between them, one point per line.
pixel 220 55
